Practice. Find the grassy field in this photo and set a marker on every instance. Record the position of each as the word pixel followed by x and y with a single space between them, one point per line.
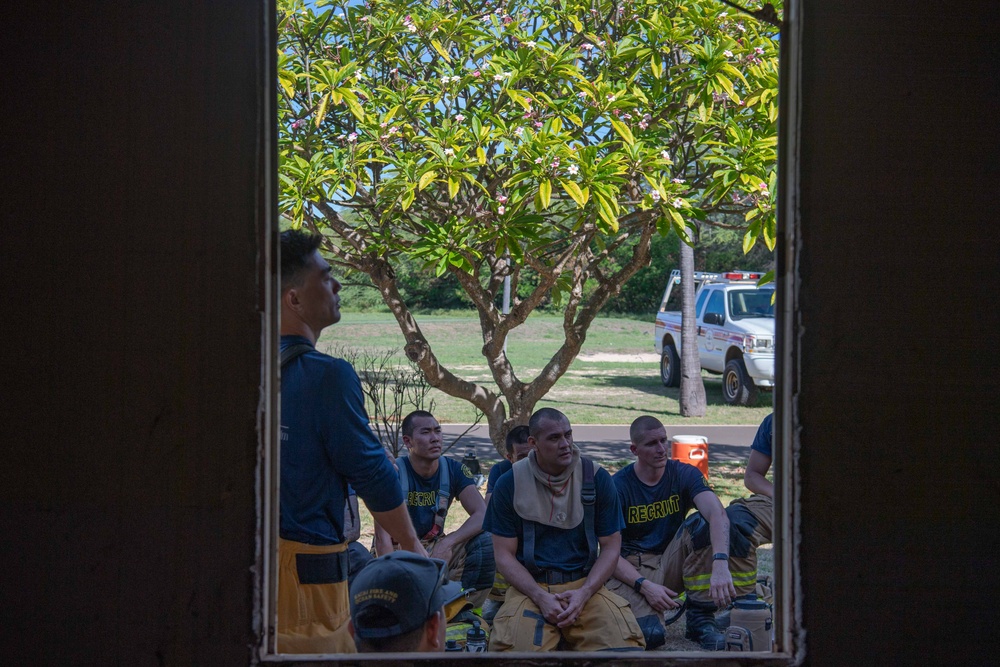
pixel 606 384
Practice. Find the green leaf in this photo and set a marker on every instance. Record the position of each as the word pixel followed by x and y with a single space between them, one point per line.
pixel 426 179
pixel 408 198
pixel 454 181
pixel 574 191
pixel 440 49
pixel 321 110
pixel 576 23
pixel 750 237
pixel 545 192
pixel 480 155
pixel 623 131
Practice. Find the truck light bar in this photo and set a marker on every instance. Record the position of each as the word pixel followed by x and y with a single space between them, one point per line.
pixel 734 275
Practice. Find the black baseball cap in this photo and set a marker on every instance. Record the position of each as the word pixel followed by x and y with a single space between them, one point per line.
pixel 398 592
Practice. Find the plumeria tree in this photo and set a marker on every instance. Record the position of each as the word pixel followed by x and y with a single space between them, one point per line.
pixel 490 139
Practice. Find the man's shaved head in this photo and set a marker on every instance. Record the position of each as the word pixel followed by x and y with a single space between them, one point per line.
pixel 641 425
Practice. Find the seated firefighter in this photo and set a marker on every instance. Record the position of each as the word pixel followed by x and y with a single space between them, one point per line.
pixel 547 516
pixel 516 447
pixel 689 563
pixel 430 484
pixel 401 602
pixel 656 494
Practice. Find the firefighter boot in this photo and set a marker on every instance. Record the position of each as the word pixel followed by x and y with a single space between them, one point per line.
pixel 701 627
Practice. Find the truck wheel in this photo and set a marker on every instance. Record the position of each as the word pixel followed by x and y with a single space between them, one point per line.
pixel 737 387
pixel 670 366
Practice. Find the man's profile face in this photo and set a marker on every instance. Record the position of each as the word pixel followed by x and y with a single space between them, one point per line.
pixel 553 445
pixel 318 293
pixel 652 447
pixel 520 451
pixel 425 442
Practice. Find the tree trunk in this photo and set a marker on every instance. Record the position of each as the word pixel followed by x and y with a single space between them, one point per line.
pixel 692 396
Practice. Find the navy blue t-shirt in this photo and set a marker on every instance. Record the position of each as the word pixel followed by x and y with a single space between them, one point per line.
pixel 654 513
pixel 325 444
pixel 498 469
pixel 765 435
pixel 563 550
pixel 422 496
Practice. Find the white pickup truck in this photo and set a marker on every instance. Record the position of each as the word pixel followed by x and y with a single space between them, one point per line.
pixel 735 324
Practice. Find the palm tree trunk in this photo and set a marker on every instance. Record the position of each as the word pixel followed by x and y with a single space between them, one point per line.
pixel 692 395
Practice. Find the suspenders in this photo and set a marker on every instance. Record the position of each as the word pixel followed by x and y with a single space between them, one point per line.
pixel 443 496
pixel 588 494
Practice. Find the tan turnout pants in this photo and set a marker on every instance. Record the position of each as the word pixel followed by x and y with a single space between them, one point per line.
pixel 312 618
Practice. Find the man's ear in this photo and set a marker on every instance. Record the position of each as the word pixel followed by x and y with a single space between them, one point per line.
pixel 290 299
pixel 434 631
pixel 631 448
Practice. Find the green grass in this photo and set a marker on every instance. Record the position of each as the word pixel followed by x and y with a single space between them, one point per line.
pixel 591 392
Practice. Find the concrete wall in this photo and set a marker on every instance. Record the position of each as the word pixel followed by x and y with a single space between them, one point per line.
pixel 131 331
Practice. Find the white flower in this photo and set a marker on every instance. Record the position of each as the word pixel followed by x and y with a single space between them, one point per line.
pixel 456 79
pixel 352 137
pixel 449 152
pixel 539 160
pixel 459 118
pixel 678 181
pixel 573 169
pixel 530 44
pixel 611 98
pixel 655 195
pixel 518 131
pixel 677 203
pixel 665 154
pixel 741 27
pixel 501 209
pixel 581 95
pixel 727 53
pixel 722 15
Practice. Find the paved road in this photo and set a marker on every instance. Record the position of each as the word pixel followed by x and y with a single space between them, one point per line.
pixel 610 442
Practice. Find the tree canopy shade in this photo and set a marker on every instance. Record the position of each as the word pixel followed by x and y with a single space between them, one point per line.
pixel 486 137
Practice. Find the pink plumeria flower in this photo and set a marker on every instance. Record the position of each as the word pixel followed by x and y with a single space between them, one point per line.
pixel 665 154
pixel 727 53
pixel 677 203
pixel 678 181
pixel 586 47
pixel 554 164
pixel 501 209
pixel 383 125
pixel 581 95
pixel 538 125
pixel 477 74
pixel 518 131
pixel 459 118
pixel 759 51
pixel 539 160
pixel 655 195
pixel 352 137
pixel 502 199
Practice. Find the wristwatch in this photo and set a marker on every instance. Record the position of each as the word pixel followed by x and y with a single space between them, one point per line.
pixel 720 556
pixel 638 584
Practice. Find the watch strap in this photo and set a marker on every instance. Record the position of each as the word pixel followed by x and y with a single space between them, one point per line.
pixel 720 556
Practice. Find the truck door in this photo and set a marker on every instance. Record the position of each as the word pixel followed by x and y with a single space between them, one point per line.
pixel 710 353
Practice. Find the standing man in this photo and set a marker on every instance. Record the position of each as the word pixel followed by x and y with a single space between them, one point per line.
pixel 656 494
pixel 430 484
pixel 547 516
pixel 326 444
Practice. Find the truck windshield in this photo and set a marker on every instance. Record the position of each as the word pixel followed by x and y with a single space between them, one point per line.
pixel 751 303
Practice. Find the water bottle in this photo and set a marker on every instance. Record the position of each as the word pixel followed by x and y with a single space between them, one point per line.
pixel 475 639
pixel 471 461
pixel 451 645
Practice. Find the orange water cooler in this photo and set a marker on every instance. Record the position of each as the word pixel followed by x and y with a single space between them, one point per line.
pixel 691 449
